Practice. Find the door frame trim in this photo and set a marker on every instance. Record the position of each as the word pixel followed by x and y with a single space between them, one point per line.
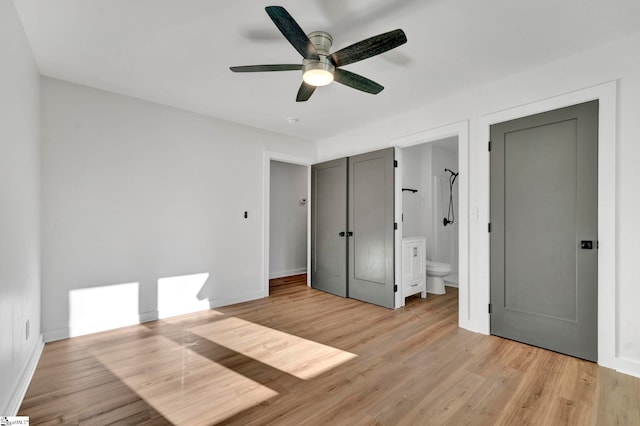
pixel 266 202
pixel 606 94
pixel 461 130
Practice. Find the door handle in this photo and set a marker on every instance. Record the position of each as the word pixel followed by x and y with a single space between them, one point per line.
pixel 349 234
pixel 341 234
pixel 586 245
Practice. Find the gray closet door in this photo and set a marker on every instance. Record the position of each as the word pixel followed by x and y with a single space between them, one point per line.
pixel 544 182
pixel 371 221
pixel 329 226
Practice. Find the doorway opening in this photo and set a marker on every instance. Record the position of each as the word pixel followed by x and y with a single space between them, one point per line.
pixel 430 204
pixel 286 220
pixel 459 131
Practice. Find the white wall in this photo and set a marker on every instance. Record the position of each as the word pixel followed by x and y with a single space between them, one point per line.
pixel 144 199
pixel 413 204
pixel 19 211
pixel 615 61
pixel 288 219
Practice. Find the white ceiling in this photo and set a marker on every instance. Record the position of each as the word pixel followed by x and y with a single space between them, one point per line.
pixel 178 52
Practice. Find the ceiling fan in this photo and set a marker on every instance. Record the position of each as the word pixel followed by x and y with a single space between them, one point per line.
pixel 320 67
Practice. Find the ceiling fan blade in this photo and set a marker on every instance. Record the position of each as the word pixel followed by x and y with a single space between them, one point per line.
pixel 292 31
pixel 356 81
pixel 305 92
pixel 262 68
pixel 370 47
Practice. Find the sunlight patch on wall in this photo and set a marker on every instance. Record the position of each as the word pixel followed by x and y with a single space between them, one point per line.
pixel 295 355
pixel 102 308
pixel 186 388
pixel 182 294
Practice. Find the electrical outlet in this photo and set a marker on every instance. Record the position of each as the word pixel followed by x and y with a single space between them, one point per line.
pixel 26 331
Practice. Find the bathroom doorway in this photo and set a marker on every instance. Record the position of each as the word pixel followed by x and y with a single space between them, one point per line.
pixel 430 202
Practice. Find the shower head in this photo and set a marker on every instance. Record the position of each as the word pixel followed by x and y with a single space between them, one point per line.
pixel 450 213
pixel 454 175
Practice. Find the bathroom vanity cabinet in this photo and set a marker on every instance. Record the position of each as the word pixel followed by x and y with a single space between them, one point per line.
pixel 414 272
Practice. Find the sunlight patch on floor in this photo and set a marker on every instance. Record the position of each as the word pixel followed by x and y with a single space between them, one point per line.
pixel 295 355
pixel 186 388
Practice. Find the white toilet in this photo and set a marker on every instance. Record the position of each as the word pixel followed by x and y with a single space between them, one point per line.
pixel 436 271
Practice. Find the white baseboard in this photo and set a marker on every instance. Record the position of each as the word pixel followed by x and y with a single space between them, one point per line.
pixel 245 297
pixel 628 366
pixel 57 334
pixel 65 332
pixel 288 273
pixel 20 391
pixel 474 326
pixel 149 316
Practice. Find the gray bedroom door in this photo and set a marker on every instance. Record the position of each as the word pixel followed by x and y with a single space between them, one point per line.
pixel 329 226
pixel 543 241
pixel 371 224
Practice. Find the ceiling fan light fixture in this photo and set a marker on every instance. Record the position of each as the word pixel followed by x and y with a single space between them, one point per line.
pixel 317 77
pixel 317 72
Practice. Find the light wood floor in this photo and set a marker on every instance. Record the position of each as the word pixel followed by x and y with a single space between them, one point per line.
pixel 303 357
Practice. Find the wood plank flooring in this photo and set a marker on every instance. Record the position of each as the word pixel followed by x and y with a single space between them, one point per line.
pixel 304 357
pixel 293 279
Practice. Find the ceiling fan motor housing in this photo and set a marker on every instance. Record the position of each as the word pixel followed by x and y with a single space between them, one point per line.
pixel 322 41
